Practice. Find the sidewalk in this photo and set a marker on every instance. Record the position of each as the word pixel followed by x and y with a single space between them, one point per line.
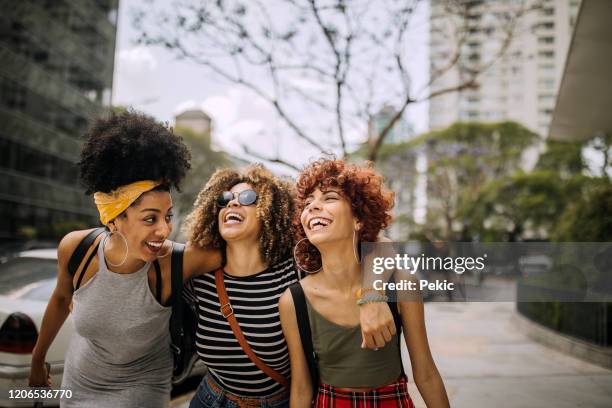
pixel 486 361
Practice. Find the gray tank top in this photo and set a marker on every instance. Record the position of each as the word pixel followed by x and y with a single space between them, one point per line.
pixel 119 355
pixel 341 360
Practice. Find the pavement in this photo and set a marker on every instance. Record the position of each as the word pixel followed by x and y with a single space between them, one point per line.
pixel 486 361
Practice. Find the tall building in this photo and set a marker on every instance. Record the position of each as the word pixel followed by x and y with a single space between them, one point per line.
pixel 55 77
pixel 523 84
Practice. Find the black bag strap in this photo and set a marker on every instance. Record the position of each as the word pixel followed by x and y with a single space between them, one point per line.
pixel 176 272
pixel 398 328
pixel 82 274
pixel 79 253
pixel 303 321
pixel 158 281
pixel 301 313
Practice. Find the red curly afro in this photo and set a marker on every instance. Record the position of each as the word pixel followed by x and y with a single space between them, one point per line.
pixel 362 186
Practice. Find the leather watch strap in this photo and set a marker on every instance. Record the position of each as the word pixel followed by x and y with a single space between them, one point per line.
pixel 228 312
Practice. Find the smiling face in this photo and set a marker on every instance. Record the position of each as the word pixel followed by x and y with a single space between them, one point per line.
pixel 327 217
pixel 146 224
pixel 239 222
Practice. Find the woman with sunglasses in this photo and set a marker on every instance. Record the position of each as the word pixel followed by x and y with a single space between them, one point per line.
pixel 247 215
pixel 119 354
pixel 340 205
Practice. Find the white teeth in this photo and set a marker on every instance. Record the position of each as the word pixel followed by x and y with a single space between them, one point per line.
pixel 155 244
pixel 318 223
pixel 233 218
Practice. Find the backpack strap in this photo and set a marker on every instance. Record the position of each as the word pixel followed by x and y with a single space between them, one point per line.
pixel 158 281
pixel 228 312
pixel 393 303
pixel 79 253
pixel 303 321
pixel 176 277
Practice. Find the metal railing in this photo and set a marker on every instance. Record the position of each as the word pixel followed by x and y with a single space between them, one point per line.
pixel 590 321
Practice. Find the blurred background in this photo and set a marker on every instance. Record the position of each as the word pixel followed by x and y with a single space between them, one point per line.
pixel 489 119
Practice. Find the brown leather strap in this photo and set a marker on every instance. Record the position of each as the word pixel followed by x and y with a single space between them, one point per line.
pixel 228 313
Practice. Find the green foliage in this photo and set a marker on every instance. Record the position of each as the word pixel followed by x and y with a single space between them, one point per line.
pixel 564 158
pixel 464 158
pixel 204 162
pixel 589 217
pixel 511 203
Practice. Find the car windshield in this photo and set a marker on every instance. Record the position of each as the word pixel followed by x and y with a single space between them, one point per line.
pixel 28 278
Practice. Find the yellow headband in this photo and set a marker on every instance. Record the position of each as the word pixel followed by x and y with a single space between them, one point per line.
pixel 117 201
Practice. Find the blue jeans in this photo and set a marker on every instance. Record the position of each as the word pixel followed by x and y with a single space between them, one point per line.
pixel 214 396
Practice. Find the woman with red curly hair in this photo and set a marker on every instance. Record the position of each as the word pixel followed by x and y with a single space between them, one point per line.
pixel 340 205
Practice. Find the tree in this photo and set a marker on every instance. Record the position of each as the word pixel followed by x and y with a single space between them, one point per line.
pixel 556 201
pixel 563 158
pixel 204 162
pixel 589 217
pixel 354 56
pixel 505 209
pixel 461 160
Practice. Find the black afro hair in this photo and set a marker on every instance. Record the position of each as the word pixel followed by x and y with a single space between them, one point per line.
pixel 130 146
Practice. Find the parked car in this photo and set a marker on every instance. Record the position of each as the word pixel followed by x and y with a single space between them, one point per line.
pixel 535 265
pixel 27 280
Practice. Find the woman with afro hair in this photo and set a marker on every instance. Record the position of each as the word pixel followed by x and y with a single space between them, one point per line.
pixel 119 354
pixel 340 205
pixel 247 214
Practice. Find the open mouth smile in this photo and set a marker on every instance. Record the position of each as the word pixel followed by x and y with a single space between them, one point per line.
pixel 232 217
pixel 154 246
pixel 317 223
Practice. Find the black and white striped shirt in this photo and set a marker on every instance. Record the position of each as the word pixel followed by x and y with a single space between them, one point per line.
pixel 255 302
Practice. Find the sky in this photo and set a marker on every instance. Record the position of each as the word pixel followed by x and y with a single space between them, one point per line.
pixel 154 81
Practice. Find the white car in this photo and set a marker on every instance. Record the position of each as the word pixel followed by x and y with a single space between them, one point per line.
pixel 27 281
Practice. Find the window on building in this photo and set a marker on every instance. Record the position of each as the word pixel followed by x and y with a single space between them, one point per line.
pixel 546 40
pixel 546 97
pixel 549 25
pixel 546 82
pixel 546 54
pixel 24 159
pixel 548 11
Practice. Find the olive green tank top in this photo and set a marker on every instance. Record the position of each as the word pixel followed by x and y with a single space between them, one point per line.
pixel 341 360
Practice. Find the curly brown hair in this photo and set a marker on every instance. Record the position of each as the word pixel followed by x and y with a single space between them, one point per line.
pixel 275 208
pixel 361 185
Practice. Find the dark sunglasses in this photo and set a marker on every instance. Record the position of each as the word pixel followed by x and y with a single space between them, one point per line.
pixel 246 197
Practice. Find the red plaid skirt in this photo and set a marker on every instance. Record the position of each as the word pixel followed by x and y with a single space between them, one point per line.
pixel 390 396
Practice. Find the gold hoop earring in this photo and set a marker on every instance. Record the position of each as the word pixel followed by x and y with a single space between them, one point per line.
pixel 168 252
pixel 127 249
pixel 355 247
pixel 295 258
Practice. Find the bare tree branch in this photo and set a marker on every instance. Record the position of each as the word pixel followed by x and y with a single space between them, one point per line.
pixel 357 51
pixel 276 160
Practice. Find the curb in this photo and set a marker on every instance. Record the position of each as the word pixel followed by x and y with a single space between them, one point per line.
pixel 601 356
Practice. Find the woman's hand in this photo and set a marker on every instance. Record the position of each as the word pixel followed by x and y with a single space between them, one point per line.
pixel 39 375
pixel 377 325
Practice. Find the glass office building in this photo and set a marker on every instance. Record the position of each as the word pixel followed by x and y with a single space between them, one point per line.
pixel 55 77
